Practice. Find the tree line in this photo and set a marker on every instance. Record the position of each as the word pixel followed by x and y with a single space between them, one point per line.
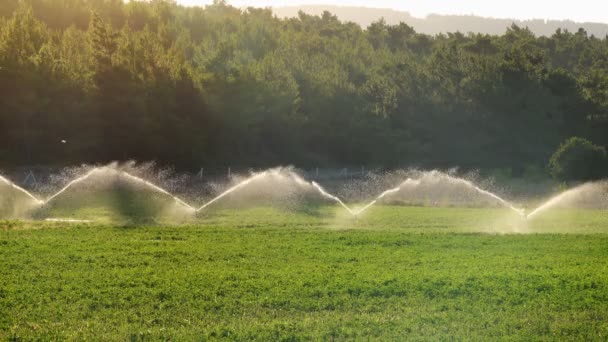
pixel 101 80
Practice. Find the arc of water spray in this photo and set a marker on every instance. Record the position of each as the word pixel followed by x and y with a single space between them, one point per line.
pixel 335 198
pixel 277 171
pixel 384 194
pixel 488 193
pixel 235 188
pixel 322 191
pixel 72 183
pixel 88 175
pixel 559 198
pixel 159 189
pixel 58 193
pixel 459 180
pixel 20 189
pixel 126 174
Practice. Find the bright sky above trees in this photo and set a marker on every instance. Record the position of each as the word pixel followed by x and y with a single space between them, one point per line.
pixel 580 10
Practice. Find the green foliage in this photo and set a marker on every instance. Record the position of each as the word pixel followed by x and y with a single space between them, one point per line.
pixel 190 85
pixel 399 274
pixel 578 159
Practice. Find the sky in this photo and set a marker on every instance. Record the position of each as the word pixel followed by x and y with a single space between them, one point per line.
pixel 579 10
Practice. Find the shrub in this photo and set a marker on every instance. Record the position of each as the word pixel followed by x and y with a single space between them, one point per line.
pixel 578 159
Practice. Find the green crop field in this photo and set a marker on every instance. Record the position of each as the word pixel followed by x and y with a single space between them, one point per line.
pixel 397 273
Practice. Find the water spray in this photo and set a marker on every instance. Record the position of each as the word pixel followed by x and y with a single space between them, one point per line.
pixel 234 188
pixel 433 176
pixel 160 190
pixel 332 197
pixel 22 190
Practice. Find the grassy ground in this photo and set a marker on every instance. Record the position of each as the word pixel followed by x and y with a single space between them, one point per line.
pixel 396 273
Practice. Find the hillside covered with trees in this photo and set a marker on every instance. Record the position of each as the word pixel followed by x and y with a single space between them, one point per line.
pixel 442 23
pixel 100 80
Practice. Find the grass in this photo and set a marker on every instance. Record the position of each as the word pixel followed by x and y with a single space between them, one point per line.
pixel 264 274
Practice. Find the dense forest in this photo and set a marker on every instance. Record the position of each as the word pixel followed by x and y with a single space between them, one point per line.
pixel 100 80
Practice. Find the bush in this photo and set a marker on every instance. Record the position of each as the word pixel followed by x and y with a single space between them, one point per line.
pixel 578 159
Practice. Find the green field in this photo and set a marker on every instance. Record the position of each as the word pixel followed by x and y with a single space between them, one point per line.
pixel 266 274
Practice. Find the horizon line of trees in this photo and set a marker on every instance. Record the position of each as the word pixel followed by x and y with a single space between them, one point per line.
pixel 102 80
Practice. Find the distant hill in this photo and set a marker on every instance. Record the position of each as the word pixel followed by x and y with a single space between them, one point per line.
pixel 434 24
